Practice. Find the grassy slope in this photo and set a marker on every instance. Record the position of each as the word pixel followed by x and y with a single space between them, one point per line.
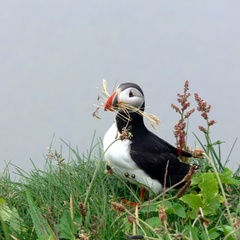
pixel 49 204
pixel 75 199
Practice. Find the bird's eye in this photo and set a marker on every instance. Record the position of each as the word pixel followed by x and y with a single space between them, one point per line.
pixel 130 94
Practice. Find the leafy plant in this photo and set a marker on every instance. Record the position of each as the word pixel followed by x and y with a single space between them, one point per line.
pixel 10 220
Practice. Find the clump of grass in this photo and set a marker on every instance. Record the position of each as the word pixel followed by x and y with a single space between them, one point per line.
pixel 73 198
pixel 50 201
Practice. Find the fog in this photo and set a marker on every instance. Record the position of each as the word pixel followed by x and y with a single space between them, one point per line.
pixel 54 55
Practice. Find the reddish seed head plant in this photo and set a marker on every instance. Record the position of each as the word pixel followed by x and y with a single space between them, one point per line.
pixel 180 132
pixel 204 108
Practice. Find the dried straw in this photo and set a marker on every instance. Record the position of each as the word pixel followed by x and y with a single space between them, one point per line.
pixel 126 108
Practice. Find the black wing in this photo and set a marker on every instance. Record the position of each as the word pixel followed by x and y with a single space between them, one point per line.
pixel 152 154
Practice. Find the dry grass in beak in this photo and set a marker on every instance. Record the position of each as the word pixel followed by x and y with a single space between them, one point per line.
pixel 104 91
pixel 95 113
pixel 152 119
pixel 126 108
pixel 101 99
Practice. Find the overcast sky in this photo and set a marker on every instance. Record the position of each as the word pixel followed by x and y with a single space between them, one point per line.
pixel 54 54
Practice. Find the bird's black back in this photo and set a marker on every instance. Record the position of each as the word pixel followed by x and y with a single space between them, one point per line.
pixel 154 155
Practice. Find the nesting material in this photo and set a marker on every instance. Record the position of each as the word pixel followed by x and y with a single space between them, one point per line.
pixel 152 119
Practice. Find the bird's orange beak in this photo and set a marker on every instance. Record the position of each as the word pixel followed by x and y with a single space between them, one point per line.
pixel 111 102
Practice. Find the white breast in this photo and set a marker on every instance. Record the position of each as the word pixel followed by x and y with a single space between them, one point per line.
pixel 120 160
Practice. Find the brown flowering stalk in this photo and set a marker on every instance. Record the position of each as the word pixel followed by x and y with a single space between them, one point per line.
pixel 118 207
pixel 204 108
pixel 162 214
pixel 187 180
pixel 82 209
pixel 180 131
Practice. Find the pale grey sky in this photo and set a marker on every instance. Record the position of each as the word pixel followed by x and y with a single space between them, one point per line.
pixel 55 53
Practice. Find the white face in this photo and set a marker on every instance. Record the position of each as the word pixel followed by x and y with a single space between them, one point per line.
pixel 132 97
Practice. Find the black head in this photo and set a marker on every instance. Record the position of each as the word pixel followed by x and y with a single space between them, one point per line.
pixel 126 94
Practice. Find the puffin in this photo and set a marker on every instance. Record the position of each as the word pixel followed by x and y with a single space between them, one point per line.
pixel 141 157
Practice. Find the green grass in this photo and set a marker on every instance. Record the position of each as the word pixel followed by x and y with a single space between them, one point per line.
pixel 74 198
pixel 67 201
pixel 48 201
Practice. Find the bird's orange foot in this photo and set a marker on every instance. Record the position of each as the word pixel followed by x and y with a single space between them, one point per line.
pixel 134 204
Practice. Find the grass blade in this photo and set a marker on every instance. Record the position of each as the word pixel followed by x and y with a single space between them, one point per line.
pixel 41 225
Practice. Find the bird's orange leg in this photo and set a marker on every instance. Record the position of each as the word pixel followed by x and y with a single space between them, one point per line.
pixel 142 193
pixel 134 204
